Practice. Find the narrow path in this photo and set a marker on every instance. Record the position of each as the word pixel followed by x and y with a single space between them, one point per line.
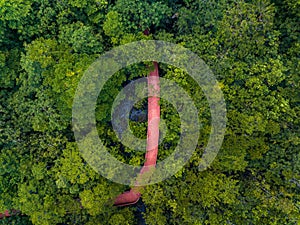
pixel 7 214
pixel 132 196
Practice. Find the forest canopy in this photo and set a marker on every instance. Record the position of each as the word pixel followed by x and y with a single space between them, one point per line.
pixel 253 49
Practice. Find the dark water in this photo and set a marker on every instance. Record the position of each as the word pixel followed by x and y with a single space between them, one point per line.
pixel 123 110
pixel 140 209
pixel 138 115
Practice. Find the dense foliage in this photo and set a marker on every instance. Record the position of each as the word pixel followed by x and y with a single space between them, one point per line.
pixel 251 46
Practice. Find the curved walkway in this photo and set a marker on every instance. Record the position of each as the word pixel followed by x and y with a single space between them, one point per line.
pixel 132 196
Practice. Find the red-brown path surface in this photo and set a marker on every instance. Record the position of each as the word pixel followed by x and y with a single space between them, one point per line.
pixel 7 214
pixel 132 196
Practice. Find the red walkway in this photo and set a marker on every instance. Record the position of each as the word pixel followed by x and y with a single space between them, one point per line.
pixel 132 196
pixel 7 214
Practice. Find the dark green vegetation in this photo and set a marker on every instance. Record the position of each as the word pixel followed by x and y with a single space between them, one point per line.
pixel 251 46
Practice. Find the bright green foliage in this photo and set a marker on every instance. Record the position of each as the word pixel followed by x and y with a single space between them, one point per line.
pixel 81 38
pixel 14 11
pixel 251 46
pixel 71 168
pixel 113 26
pixel 140 15
pixel 128 19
